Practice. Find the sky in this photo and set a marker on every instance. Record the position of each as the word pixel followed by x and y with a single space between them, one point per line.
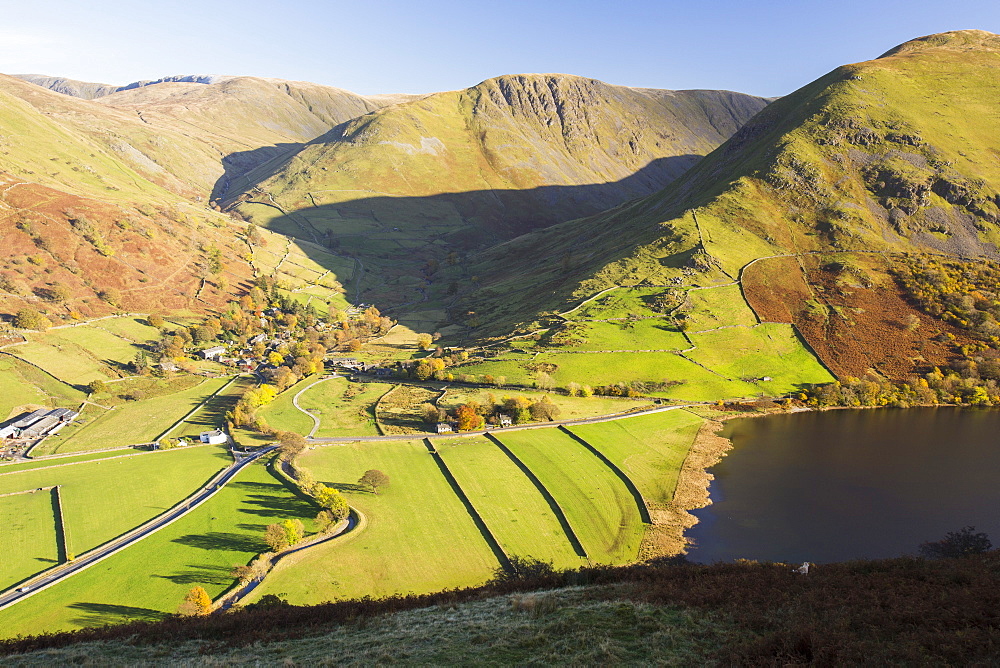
pixel 767 47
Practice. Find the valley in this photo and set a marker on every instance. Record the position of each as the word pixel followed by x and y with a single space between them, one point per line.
pixel 462 333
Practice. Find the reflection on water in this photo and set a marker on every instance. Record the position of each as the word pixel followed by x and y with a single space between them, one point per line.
pixel 839 485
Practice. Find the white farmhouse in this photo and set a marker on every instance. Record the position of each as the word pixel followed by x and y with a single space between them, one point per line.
pixel 217 437
pixel 213 353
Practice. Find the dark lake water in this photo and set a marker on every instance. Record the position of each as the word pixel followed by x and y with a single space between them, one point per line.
pixel 838 485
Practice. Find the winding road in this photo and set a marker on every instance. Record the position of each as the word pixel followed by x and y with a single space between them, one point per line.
pixel 295 402
pixel 63 571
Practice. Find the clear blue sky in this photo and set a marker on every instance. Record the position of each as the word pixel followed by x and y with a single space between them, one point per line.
pixel 768 47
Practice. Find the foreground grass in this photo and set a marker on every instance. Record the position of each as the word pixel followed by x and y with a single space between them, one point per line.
pixel 568 627
pixel 104 498
pixel 650 449
pixel 597 504
pixel 418 538
pixel 30 542
pixel 902 611
pixel 515 512
pixel 149 579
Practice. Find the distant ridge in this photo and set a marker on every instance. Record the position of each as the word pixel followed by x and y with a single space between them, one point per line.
pixel 90 91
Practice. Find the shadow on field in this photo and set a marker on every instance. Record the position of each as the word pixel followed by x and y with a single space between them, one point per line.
pixel 102 614
pixel 272 500
pixel 202 575
pixel 412 241
pixel 220 540
pixel 349 487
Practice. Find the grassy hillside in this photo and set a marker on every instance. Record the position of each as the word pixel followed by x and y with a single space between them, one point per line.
pixel 872 160
pixel 428 180
pixel 894 612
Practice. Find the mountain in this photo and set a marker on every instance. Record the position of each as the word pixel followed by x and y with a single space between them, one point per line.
pixel 83 89
pixel 111 194
pixel 88 90
pixel 464 169
pixel 834 183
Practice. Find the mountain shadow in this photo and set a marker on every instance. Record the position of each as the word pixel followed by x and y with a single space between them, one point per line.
pixel 415 253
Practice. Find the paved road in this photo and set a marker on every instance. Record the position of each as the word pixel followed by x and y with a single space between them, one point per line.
pixel 295 402
pixel 104 551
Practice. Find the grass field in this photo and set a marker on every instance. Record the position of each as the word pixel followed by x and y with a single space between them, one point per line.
pixel 770 350
pixel 23 385
pixel 516 513
pixel 418 538
pixel 78 355
pixel 134 329
pixel 717 307
pixel 150 578
pixel 282 415
pixel 343 408
pixel 569 407
pixel 213 414
pixel 104 498
pixel 69 459
pixel 619 303
pixel 30 540
pixel 650 449
pixel 133 422
pixel 652 334
pixel 597 504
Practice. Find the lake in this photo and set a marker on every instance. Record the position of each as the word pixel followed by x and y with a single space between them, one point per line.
pixel 850 484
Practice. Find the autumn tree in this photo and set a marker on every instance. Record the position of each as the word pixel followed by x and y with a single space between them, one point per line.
pixel 373 479
pixel 275 537
pixel 197 602
pixel 97 387
pixel 432 414
pixel 468 418
pixel 154 320
pixel 424 341
pixel 518 408
pixel 29 318
pixel 332 501
pixel 294 531
pixel 544 410
pixel 291 444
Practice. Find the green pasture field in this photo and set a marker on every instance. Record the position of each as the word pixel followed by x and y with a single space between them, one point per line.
pixel 71 459
pixel 516 513
pixel 104 498
pixel 70 363
pixel 281 414
pixel 418 538
pixel 340 416
pixel 30 543
pixel 134 329
pixel 652 334
pixel 135 421
pixel 148 580
pixel 618 303
pixel 770 350
pixel 213 414
pixel 699 384
pixel 22 385
pixel 717 307
pixel 570 407
pixel 597 503
pixel 650 449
